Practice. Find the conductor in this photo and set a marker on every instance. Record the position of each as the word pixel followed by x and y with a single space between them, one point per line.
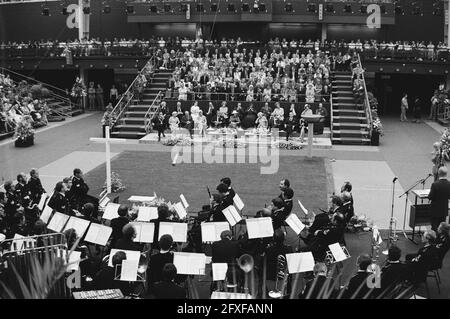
pixel 439 196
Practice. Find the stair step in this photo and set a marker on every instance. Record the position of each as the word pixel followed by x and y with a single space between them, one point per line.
pixel 348 112
pixel 349 117
pixel 135 114
pixel 351 140
pixel 350 124
pixel 130 135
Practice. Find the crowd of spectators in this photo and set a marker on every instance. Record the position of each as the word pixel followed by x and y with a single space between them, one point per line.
pixel 17 101
pixel 371 49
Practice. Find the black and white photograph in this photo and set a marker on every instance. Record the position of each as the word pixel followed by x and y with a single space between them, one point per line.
pixel 224 157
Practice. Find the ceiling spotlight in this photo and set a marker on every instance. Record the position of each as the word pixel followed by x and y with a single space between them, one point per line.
pixel 329 8
pixel 312 7
pixel 130 9
pixel 231 7
pixel 200 8
pixel 153 9
pixel 245 7
pixel 106 9
pixel 214 7
pixel 288 7
pixel 348 8
pixel 45 11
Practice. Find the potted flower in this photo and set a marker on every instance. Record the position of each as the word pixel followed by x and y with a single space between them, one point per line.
pixel 116 183
pixel 24 132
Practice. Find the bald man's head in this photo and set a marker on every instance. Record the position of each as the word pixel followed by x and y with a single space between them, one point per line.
pixel 442 172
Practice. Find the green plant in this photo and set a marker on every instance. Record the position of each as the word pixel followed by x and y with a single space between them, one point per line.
pixel 116 183
pixel 24 128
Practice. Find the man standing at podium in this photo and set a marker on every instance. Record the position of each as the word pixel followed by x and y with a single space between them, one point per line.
pixel 439 196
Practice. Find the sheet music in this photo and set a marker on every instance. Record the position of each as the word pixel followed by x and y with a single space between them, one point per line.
pixel 131 255
pixel 42 201
pixel 219 271
pixel 74 261
pixel 305 211
pixel 181 211
pixel 338 253
pixel 111 211
pixel 300 262
pixel 146 214
pixel 295 223
pixel 184 201
pixel 211 231
pixel 142 199
pixel 238 202
pixel 98 234
pixel 46 214
pixel 129 270
pixel 57 222
pixel 189 263
pixel 80 225
pixel 232 215
pixel 144 232
pixel 178 231
pixel 259 227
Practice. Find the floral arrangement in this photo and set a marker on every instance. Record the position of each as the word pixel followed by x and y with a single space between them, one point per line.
pixel 24 129
pixel 377 126
pixel 445 145
pixel 358 223
pixel 287 145
pixel 231 143
pixel 116 183
pixel 78 89
pixel 376 122
pixel 178 140
pixel 109 118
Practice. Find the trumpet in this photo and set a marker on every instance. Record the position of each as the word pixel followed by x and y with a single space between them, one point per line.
pixel 281 275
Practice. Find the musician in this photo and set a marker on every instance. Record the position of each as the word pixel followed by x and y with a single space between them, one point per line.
pixel 426 258
pixel 126 242
pixel 313 288
pixel 347 206
pixel 330 234
pixel 221 202
pixel 394 272
pixel 163 215
pixel 12 203
pixel 104 279
pixel 288 201
pixel 35 186
pixel 59 202
pixel 272 253
pixel 21 189
pixel 226 250
pixel 347 187
pixel 357 287
pixel 167 288
pixel 79 189
pixel 227 181
pixel 158 123
pixel 284 184
pixel 118 223
pixel 443 240
pixel 439 196
pixel 278 212
pixel 158 260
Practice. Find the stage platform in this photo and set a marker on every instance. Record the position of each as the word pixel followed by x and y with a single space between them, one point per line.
pixel 247 137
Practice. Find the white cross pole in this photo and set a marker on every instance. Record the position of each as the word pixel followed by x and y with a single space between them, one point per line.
pixel 108 141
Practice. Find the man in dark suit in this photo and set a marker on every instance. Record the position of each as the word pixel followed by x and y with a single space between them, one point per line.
pixel 357 287
pixel 104 279
pixel 167 288
pixel 126 242
pixel 59 202
pixel 35 186
pixel 225 200
pixel 118 223
pixel 21 189
pixel 226 250
pixel 394 272
pixel 227 181
pixel 158 260
pixel 158 123
pixel 439 196
pixel 79 189
pixel 426 258
pixel 313 288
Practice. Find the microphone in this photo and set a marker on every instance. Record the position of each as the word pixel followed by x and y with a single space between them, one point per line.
pixel 395 179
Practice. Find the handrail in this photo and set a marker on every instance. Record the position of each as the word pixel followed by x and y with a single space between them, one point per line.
pixel 331 115
pixel 366 101
pixel 36 81
pixel 132 83
pixel 149 123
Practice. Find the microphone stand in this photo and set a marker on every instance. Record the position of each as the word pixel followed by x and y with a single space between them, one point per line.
pixel 420 181
pixel 392 237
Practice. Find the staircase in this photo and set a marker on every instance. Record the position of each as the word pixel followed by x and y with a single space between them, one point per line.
pixel 349 120
pixel 133 123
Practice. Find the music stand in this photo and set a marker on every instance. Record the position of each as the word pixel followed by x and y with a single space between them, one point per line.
pixel 420 181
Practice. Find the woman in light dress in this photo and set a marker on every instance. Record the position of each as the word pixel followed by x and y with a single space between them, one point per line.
pixel 261 122
pixel 174 123
pixel 195 110
pixel 201 123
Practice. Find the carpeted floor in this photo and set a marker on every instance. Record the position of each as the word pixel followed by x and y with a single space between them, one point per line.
pixel 146 172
